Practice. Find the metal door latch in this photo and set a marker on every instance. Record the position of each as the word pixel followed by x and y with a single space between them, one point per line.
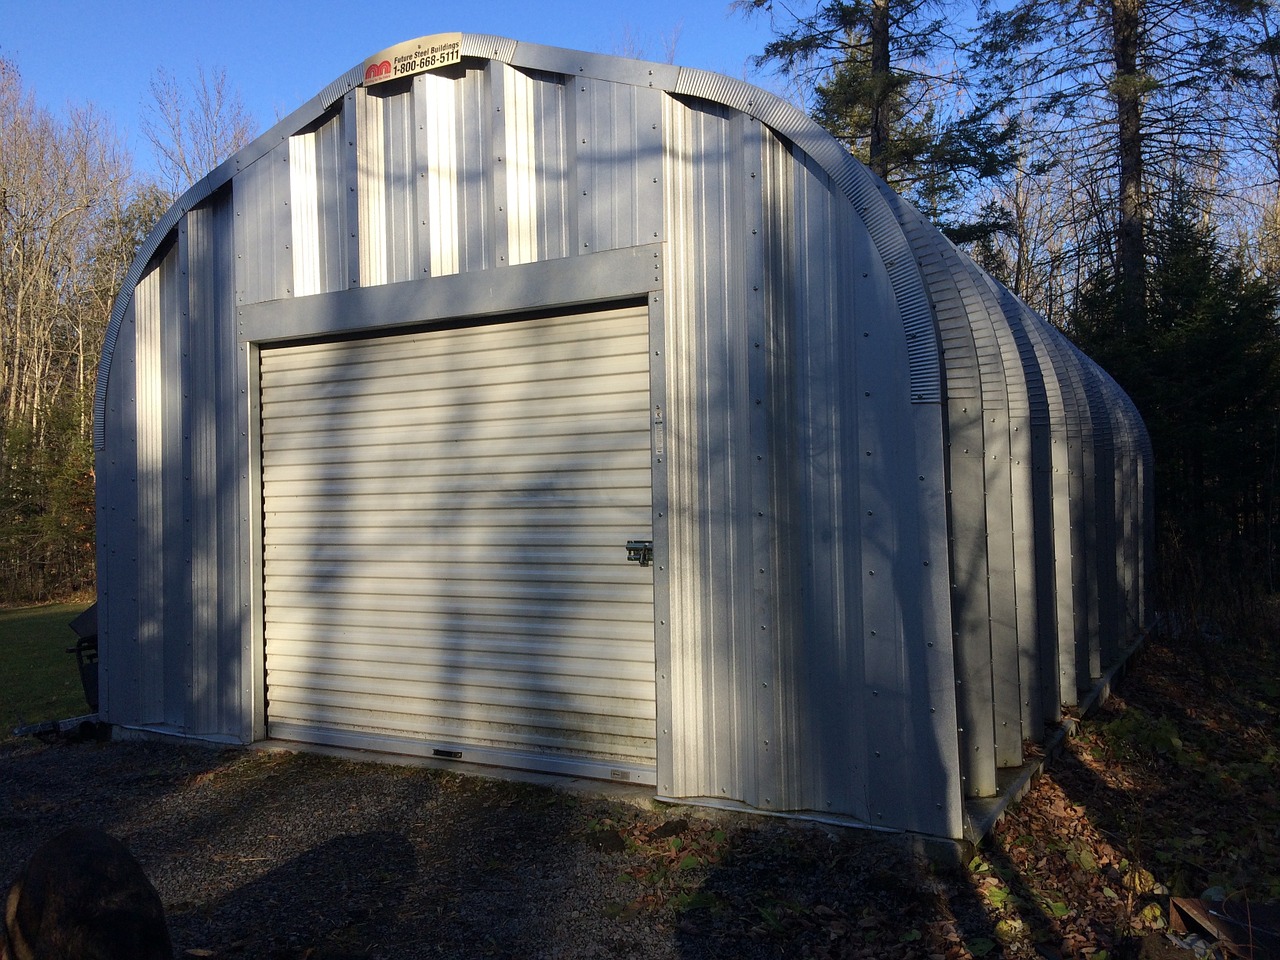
pixel 640 551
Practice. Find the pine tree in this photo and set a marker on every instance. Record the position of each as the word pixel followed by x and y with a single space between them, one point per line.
pixel 1205 374
pixel 886 79
pixel 1140 84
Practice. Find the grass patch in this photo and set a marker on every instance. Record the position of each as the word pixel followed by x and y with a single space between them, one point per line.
pixel 38 678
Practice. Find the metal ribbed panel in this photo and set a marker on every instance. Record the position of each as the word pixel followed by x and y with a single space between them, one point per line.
pixel 438 165
pixel 217 694
pixel 1045 697
pixel 617 192
pixel 446 521
pixel 519 166
pixel 489 47
pixel 371 188
pixel 304 208
pixel 400 189
pixel 148 658
pixel 264 225
pixel 786 641
pixel 706 390
pixel 868 196
pixel 478 149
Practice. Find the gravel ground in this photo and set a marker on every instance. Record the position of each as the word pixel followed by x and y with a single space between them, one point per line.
pixel 280 855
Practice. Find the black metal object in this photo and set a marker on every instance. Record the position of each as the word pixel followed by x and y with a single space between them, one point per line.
pixel 85 627
pixel 640 551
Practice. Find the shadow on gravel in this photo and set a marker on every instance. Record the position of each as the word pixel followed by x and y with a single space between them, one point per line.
pixel 354 888
pixel 790 891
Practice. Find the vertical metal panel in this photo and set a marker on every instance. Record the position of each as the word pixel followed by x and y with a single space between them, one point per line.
pixel 438 171
pixel 764 162
pixel 829 656
pixel 1044 409
pixel 554 156
pixel 519 167
pixel 371 188
pixel 400 190
pixel 1013 596
pixel 218 450
pixel 304 209
pixel 707 403
pixel 967 509
pixel 317 207
pixel 446 522
pixel 264 224
pixel 116 467
pixel 827 728
pixel 149 377
pixel 478 237
pixel 617 170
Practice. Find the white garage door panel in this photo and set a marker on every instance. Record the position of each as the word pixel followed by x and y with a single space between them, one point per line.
pixel 446 517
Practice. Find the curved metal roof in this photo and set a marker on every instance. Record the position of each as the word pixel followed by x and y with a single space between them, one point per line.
pixel 856 182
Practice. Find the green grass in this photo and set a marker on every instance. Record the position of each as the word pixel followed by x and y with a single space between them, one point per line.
pixel 39 680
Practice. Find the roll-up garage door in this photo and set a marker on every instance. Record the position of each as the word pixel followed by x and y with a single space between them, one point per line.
pixel 446 515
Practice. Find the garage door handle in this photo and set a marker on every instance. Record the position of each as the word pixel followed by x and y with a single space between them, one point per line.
pixel 640 551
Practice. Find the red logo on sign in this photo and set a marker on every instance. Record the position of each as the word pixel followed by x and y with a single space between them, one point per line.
pixel 377 70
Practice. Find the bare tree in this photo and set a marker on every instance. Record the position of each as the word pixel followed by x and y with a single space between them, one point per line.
pixel 194 126
pixel 57 180
pixel 62 181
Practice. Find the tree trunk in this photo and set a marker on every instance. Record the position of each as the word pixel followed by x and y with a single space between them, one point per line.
pixel 1128 91
pixel 876 152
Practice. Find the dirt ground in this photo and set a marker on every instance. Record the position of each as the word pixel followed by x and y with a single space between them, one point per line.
pixel 1169 790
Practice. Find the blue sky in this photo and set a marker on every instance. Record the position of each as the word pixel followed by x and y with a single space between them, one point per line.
pixel 280 53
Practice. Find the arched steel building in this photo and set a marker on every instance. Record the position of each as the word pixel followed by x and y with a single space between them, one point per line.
pixel 542 409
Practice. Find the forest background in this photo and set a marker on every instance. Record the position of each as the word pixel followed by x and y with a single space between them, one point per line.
pixel 1115 163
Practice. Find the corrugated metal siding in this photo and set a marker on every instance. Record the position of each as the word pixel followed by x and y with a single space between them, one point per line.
pixel 148 698
pixel 446 520
pixel 808 322
pixel 264 224
pixel 438 169
pixel 317 207
pixel 218 481
pixel 800 678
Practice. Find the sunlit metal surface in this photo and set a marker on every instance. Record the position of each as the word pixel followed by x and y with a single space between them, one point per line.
pixel 898 521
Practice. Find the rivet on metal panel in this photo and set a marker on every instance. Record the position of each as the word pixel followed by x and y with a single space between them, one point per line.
pixel 877 753
pixel 866 333
pixel 866 393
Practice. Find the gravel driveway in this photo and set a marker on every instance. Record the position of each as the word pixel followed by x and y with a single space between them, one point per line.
pixel 268 854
